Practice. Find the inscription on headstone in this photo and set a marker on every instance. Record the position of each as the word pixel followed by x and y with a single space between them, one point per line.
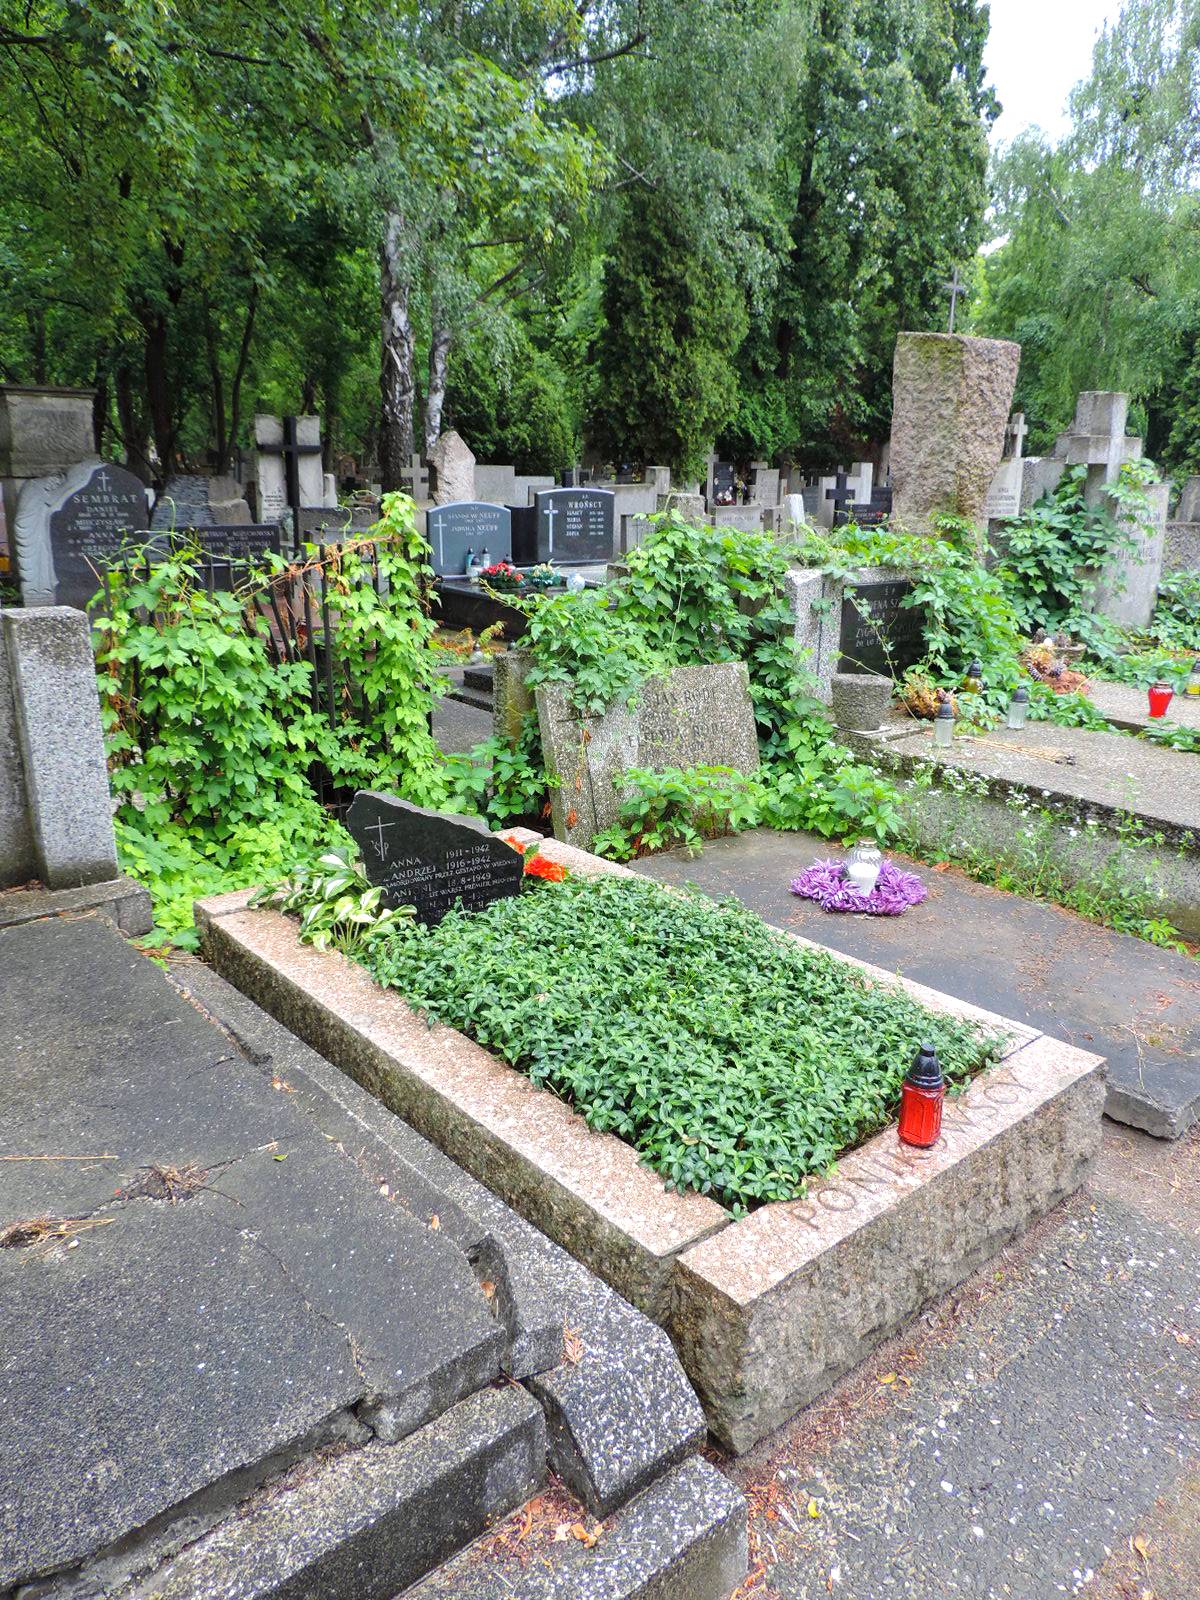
pixel 575 524
pixel 238 541
pixel 467 525
pixel 879 633
pixel 430 860
pixel 69 528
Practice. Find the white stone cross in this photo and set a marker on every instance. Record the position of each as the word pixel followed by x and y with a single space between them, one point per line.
pixel 956 287
pixel 551 513
pixel 418 475
pixel 1016 432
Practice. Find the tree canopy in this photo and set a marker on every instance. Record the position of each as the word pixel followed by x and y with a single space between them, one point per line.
pixel 635 227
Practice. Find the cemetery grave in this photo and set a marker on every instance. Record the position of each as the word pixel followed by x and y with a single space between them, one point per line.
pixel 745 1300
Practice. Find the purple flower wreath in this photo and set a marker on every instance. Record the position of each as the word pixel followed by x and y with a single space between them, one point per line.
pixel 895 890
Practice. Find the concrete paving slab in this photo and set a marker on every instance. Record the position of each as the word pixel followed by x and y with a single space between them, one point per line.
pixel 230 1287
pixel 1106 992
pixel 1024 1450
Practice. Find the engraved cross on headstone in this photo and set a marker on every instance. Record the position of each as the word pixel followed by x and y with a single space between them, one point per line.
pixel 103 479
pixel 551 513
pixel 956 287
pixel 377 827
pixel 436 519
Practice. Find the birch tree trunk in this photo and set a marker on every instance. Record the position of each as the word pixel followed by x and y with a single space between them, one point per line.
pixel 397 383
pixel 435 394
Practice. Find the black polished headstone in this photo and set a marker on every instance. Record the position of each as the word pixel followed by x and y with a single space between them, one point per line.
pixel 724 483
pixel 430 860
pixel 575 524
pixel 90 528
pixel 879 633
pixel 236 541
pixel 524 535
pixel 467 525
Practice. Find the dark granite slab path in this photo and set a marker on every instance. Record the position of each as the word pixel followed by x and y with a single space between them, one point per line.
pixel 1107 992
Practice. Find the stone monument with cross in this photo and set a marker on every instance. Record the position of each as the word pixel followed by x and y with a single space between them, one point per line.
pixel 1127 589
pixel 1003 499
pixel 843 492
pixel 290 473
pixel 956 287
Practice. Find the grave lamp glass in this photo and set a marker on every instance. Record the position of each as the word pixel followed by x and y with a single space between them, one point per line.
pixel 1193 683
pixel 1018 708
pixel 921 1100
pixel 1161 695
pixel 863 867
pixel 943 725
pixel 973 682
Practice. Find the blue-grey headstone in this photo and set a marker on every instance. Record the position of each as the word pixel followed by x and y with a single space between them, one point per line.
pixel 575 524
pixel 467 525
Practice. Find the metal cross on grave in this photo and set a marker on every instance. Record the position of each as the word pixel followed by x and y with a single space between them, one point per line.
pixel 956 287
pixel 842 494
pixel 291 450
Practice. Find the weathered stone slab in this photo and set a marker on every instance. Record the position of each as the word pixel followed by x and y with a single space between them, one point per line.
pixel 684 1538
pixel 691 716
pixel 771 1312
pixel 1181 546
pixel 44 430
pixel 950 408
pixel 124 900
pixel 587 1190
pixel 53 679
pixel 373 1521
pixel 17 860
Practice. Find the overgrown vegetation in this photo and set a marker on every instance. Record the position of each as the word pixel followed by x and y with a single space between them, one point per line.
pixel 737 1062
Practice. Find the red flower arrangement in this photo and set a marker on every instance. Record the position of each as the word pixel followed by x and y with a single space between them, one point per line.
pixel 537 866
pixel 503 577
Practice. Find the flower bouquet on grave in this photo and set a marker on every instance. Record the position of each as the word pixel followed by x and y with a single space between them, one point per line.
pixel 545 577
pixel 502 577
pixel 536 866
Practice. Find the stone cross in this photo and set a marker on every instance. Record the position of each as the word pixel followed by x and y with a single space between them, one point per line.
pixel 842 494
pixel 956 287
pixel 1015 435
pixel 417 478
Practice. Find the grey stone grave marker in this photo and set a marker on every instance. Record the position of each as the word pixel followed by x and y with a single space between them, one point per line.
pixel 467 525
pixel 576 525
pixel 430 860
pixel 879 633
pixel 71 526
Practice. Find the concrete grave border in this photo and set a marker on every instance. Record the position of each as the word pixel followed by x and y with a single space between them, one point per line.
pixel 766 1312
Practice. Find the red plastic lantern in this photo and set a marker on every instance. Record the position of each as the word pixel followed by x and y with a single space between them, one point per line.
pixel 1161 695
pixel 921 1100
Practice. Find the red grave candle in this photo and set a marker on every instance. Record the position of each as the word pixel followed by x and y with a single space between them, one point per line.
pixel 921 1100
pixel 1161 695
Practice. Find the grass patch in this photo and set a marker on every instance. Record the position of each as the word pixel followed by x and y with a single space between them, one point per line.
pixel 735 1061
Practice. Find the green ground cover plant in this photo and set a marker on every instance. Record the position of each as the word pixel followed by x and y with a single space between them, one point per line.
pixel 736 1061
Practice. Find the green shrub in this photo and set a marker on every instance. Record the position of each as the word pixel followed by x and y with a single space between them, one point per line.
pixel 736 1061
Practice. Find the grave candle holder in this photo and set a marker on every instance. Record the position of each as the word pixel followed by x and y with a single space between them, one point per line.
pixel 1193 683
pixel 1018 709
pixel 1161 695
pixel 921 1100
pixel 943 725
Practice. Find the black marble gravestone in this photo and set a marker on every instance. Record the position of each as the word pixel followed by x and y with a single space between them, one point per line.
pixel 724 481
pixel 879 633
pixel 88 530
pixel 467 525
pixel 430 860
pixel 575 524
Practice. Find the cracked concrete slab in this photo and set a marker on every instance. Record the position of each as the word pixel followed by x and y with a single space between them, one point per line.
pixel 219 1284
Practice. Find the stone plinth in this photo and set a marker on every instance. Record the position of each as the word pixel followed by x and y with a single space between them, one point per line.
pixel 43 431
pixel 57 722
pixel 690 717
pixel 951 401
